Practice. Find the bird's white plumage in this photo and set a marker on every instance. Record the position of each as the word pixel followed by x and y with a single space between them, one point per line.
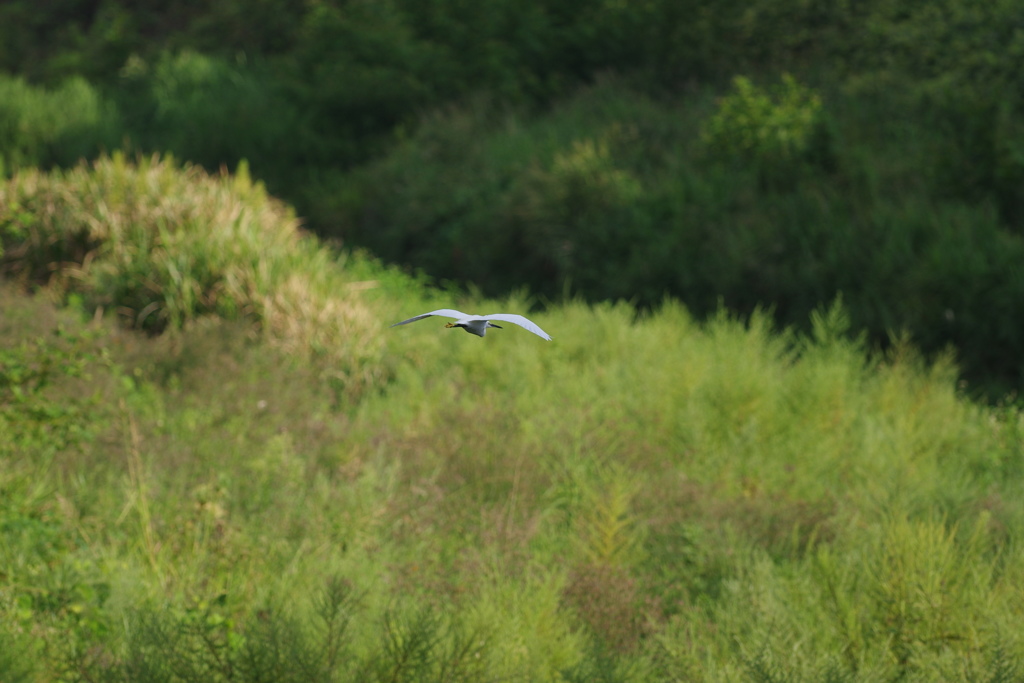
pixel 478 324
pixel 524 323
pixel 444 312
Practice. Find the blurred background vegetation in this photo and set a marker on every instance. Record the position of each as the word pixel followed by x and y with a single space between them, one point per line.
pixel 764 152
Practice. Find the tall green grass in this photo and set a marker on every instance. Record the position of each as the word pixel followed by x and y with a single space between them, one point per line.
pixel 657 498
pixel 642 498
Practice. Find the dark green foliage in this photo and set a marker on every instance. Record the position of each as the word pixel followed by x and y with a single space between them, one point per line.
pixel 599 665
pixel 761 669
pixel 216 113
pixel 96 38
pixel 205 644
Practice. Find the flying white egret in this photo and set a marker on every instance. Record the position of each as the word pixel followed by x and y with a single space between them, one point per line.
pixel 478 324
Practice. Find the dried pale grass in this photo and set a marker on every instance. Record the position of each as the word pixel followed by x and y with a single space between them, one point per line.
pixel 330 326
pixel 164 245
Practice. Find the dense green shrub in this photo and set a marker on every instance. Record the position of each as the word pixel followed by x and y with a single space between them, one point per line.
pixel 778 131
pixel 216 113
pixel 48 127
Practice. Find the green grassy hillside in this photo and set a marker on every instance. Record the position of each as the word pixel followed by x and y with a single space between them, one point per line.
pixel 262 481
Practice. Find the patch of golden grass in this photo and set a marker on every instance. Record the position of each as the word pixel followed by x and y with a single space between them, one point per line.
pixel 164 245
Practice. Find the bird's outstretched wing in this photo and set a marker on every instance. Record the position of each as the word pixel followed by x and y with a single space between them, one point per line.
pixel 446 312
pixel 524 323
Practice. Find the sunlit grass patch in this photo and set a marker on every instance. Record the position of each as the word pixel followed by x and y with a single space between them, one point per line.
pixel 164 245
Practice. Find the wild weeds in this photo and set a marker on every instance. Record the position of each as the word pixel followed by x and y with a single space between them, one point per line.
pixel 163 246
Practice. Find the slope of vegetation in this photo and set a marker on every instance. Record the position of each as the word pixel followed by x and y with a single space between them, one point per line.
pixel 650 498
